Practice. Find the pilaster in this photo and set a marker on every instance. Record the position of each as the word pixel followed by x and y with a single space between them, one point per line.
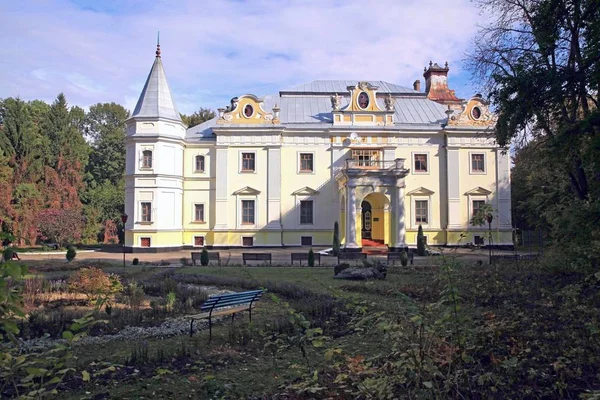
pixel 503 189
pixel 453 169
pixel 274 188
pixel 221 192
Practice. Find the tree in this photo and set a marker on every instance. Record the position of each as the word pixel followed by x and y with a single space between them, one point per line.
pixel 420 242
pixel 538 60
pixel 62 226
pixel 311 258
pixel 336 239
pixel 204 257
pixel 200 116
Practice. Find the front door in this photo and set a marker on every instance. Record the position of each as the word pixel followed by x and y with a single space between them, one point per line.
pixel 367 220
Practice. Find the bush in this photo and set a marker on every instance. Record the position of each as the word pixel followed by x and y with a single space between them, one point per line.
pixel 134 295
pixel 339 268
pixel 95 283
pixel 404 258
pixel 204 258
pixel 311 258
pixel 7 254
pixel 420 242
pixel 336 239
pixel 71 253
pixel 136 261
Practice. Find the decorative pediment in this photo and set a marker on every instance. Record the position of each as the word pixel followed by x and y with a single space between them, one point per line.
pixel 478 191
pixel 421 192
pixel 247 109
pixel 362 108
pixel 475 112
pixel 247 191
pixel 305 191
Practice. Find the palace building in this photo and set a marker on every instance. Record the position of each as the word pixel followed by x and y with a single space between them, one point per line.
pixel 378 158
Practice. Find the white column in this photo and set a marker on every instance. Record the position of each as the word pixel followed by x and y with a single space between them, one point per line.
pixel 399 217
pixel 452 169
pixel 274 188
pixel 351 217
pixel 221 195
pixel 503 189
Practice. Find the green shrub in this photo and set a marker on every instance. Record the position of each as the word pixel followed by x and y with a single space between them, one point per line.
pixel 71 253
pixel 336 239
pixel 311 258
pixel 136 261
pixel 134 295
pixel 204 258
pixel 420 242
pixel 170 301
pixel 7 254
pixel 404 258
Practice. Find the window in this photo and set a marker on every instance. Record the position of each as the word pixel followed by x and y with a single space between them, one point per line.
pixel 477 162
pixel 421 212
pixel 248 161
pixel 146 159
pixel 199 164
pixel 366 158
pixel 306 240
pixel 248 212
pixel 247 241
pixel 478 240
pixel 199 212
pixel 306 162
pixel 306 212
pixel 421 163
pixel 145 241
pixel 477 205
pixel 199 241
pixel 146 212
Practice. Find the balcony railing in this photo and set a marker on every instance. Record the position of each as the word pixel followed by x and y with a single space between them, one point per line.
pixel 352 163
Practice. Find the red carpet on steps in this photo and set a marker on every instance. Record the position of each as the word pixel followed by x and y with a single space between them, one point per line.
pixel 371 246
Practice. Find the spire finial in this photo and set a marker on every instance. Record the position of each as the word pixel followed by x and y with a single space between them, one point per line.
pixel 158 45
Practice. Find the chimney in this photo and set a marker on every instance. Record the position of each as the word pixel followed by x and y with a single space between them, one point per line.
pixel 436 84
pixel 417 85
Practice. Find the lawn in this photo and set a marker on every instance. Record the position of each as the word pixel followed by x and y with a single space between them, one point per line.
pixel 440 330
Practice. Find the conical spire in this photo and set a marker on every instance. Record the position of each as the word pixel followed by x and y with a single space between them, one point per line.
pixel 156 100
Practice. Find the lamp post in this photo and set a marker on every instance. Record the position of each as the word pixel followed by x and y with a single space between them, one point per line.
pixel 489 218
pixel 124 220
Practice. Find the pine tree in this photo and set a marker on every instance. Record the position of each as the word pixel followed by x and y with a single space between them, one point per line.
pixel 336 239
pixel 420 242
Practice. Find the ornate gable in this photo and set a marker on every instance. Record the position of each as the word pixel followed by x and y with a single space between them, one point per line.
pixel 247 109
pixel 305 191
pixel 478 191
pixel 362 108
pixel 475 112
pixel 247 191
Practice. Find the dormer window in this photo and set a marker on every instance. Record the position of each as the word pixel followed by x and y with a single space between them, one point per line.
pixel 146 159
pixel 363 100
pixel 199 164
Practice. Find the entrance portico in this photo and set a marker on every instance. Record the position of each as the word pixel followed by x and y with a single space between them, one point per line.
pixel 378 186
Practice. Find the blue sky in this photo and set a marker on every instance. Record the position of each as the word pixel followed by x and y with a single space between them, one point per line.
pixel 102 51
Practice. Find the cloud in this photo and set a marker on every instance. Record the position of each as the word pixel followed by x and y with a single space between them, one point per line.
pixel 212 51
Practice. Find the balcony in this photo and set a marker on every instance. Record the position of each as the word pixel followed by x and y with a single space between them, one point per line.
pixel 374 165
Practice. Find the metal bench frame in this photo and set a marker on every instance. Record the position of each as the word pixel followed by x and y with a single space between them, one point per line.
pixel 256 257
pixel 212 256
pixel 215 306
pixel 347 256
pixel 304 257
pixel 395 256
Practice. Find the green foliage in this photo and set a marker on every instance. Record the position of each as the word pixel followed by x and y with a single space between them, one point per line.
pixel 404 258
pixel 420 242
pixel 204 257
pixel 136 261
pixel 7 254
pixel 311 258
pixel 71 253
pixel 480 217
pixel 198 117
pixel 336 239
pixel 170 301
pixel 134 295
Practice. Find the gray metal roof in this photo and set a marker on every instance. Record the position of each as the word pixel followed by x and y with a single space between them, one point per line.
pixel 331 87
pixel 156 100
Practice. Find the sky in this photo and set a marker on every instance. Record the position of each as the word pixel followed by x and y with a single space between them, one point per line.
pixel 212 50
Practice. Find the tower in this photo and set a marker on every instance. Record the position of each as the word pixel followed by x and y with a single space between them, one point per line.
pixel 154 166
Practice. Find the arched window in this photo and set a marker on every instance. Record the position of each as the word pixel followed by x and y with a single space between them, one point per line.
pixel 146 159
pixel 199 165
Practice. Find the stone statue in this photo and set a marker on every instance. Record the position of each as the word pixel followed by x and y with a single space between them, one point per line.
pixel 389 102
pixel 336 101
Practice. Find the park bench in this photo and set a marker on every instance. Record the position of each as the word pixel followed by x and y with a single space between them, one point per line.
pixel 514 257
pixel 225 304
pixel 212 256
pixel 304 257
pixel 397 255
pixel 349 256
pixel 256 257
